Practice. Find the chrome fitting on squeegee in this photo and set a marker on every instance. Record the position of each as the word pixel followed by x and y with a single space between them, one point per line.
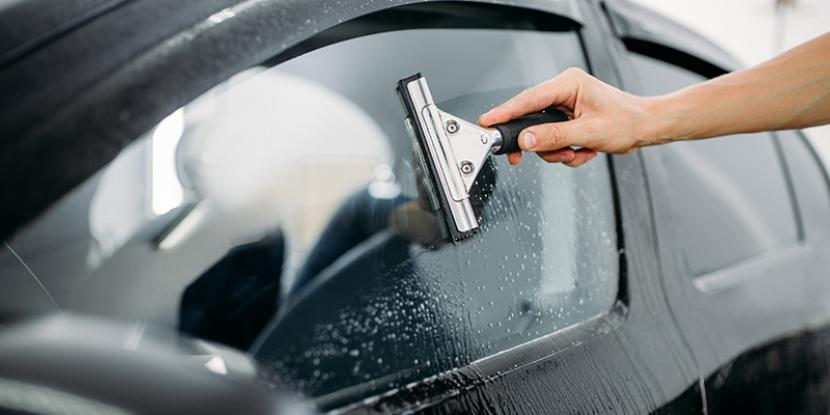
pixel 453 150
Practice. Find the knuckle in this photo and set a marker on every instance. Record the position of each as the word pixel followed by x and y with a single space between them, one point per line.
pixel 552 137
pixel 573 72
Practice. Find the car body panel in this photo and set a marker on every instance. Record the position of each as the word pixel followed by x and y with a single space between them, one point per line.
pixel 27 24
pixel 763 300
pixel 766 285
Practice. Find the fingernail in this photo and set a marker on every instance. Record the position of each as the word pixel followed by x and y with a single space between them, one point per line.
pixel 564 157
pixel 528 140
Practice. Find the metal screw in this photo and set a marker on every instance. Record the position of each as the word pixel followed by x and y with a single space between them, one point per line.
pixel 452 126
pixel 484 139
pixel 466 167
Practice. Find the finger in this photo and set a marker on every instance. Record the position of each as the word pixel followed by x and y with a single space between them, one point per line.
pixel 514 158
pixel 558 156
pixel 553 136
pixel 582 156
pixel 559 91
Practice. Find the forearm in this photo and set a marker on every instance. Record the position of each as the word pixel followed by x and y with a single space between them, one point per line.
pixel 790 91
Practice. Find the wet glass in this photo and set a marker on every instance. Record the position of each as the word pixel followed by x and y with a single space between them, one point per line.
pixel 301 177
pixel 399 306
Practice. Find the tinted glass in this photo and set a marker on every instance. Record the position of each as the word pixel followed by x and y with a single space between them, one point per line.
pixel 730 195
pixel 546 257
pixel 300 176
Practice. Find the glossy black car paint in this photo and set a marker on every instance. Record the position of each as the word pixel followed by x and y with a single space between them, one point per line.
pixel 74 97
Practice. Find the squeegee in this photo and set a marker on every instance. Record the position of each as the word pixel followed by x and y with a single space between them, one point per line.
pixel 452 151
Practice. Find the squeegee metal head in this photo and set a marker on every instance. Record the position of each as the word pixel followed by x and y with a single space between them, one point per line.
pixel 452 151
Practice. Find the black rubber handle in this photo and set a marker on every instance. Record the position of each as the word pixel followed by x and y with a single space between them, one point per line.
pixel 510 130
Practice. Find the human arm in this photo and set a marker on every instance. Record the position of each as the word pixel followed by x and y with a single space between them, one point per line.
pixel 789 91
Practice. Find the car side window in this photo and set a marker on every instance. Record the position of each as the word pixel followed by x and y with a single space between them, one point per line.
pixel 546 256
pixel 730 195
pixel 282 213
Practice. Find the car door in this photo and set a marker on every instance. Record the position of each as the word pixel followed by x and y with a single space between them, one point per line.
pixel 741 238
pixel 555 306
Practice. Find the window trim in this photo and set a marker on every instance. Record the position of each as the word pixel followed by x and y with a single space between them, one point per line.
pixel 650 33
pixel 788 178
pixel 432 15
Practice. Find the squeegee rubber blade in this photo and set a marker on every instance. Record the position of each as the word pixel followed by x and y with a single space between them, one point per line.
pixel 423 149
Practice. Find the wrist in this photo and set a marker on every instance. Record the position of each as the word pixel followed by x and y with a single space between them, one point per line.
pixel 664 123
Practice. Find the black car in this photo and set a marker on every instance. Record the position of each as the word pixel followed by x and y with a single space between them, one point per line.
pixel 213 206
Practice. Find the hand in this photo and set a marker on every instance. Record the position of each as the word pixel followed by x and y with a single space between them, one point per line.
pixel 602 118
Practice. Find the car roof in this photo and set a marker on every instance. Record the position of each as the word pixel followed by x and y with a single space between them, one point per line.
pixel 25 24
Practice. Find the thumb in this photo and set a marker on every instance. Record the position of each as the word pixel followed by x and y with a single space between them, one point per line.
pixel 554 136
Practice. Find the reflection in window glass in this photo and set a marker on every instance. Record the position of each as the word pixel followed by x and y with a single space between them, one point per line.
pixel 730 195
pixel 286 217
